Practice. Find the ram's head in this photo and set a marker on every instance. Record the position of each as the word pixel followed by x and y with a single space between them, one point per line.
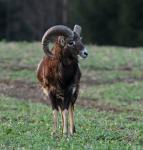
pixel 69 39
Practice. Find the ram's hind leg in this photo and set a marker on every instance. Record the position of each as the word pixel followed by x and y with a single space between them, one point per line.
pixel 55 121
pixel 55 111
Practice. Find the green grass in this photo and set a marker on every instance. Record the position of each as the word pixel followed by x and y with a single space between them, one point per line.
pixel 21 53
pixel 117 91
pixel 18 75
pixel 112 80
pixel 113 58
pixel 27 125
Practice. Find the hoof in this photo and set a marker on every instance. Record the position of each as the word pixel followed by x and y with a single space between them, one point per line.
pixel 73 131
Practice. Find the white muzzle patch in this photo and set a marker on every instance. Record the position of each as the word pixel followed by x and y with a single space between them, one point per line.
pixel 83 53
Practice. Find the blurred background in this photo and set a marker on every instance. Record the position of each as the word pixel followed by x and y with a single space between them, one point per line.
pixel 104 22
pixel 109 109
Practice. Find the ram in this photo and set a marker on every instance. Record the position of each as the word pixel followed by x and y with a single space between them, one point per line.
pixel 59 74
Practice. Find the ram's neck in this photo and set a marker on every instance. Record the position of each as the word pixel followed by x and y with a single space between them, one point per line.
pixel 57 51
pixel 67 61
pixel 69 58
pixel 64 56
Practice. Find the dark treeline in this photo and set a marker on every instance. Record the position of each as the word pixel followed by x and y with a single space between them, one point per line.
pixel 28 19
pixel 104 22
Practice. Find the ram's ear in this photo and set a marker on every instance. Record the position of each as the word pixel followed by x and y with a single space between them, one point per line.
pixel 77 29
pixel 61 40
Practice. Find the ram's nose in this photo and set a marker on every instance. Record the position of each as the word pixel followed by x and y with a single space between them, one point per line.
pixel 84 53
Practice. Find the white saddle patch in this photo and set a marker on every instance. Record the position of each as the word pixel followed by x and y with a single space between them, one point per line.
pixel 45 91
pixel 73 90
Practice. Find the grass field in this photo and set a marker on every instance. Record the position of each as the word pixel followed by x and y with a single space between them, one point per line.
pixel 109 111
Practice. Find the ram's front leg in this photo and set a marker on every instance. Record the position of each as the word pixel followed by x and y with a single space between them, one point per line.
pixel 74 95
pixel 71 119
pixel 65 111
pixel 65 121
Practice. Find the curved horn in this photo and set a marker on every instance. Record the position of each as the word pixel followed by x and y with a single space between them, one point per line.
pixel 55 31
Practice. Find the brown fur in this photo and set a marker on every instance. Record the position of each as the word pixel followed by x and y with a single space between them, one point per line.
pixel 59 77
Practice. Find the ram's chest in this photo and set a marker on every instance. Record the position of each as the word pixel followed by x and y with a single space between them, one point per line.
pixel 67 74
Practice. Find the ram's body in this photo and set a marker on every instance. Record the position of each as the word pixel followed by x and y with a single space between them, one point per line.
pixel 59 77
pixel 59 73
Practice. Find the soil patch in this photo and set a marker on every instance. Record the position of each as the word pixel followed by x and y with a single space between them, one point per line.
pixel 22 90
pixel 30 91
pixel 97 82
pixel 17 66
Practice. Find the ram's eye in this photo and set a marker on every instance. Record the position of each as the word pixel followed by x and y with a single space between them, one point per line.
pixel 71 43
